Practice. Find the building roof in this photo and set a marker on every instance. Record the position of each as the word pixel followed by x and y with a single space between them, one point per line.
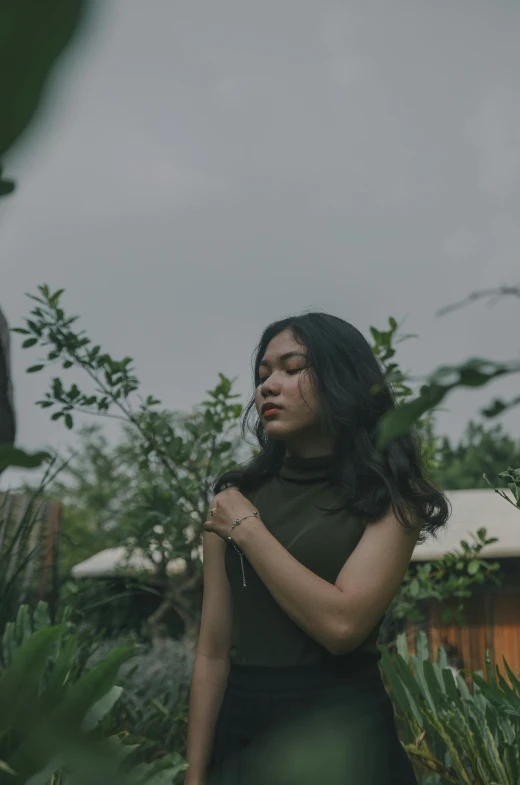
pixel 115 561
pixel 473 510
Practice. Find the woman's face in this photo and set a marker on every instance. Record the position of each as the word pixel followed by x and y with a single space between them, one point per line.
pixel 285 382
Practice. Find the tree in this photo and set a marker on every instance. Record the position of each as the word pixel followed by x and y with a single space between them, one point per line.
pixel 480 450
pixel 178 457
pixel 94 488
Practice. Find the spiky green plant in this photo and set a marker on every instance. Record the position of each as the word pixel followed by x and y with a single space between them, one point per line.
pixel 463 736
pixel 51 722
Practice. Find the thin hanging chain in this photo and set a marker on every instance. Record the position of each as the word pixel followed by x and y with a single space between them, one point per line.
pixel 241 555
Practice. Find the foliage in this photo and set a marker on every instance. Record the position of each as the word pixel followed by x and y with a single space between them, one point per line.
pixel 383 347
pixel 34 36
pixel 95 489
pixel 505 697
pixel 51 721
pixel 10 455
pixel 463 737
pixel 18 458
pixel 474 372
pixel 21 547
pixel 454 575
pixel 153 707
pixel 178 457
pixel 163 478
pixel 514 485
pixel 460 736
pixel 479 451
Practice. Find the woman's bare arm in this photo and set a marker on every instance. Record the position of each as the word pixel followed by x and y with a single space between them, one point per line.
pixel 211 666
pixel 337 616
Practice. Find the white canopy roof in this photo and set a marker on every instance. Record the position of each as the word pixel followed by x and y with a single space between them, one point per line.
pixel 471 510
pixel 114 561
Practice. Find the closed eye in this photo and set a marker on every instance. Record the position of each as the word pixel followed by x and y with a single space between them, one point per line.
pixel 289 372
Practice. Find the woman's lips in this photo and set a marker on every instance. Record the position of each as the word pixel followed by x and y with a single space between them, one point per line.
pixel 270 412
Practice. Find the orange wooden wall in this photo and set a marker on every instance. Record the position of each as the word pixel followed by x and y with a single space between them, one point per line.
pixel 493 622
pixel 506 630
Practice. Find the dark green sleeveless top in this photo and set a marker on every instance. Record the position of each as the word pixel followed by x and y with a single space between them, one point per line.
pixel 288 504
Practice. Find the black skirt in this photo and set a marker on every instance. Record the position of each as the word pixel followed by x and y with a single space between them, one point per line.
pixel 308 725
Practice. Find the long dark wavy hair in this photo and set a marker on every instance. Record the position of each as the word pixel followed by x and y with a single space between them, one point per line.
pixel 344 372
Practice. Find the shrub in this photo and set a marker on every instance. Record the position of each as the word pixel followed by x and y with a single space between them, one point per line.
pixel 153 707
pixel 52 724
pixel 457 735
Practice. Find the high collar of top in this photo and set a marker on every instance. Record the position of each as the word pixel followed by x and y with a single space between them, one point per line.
pixel 306 469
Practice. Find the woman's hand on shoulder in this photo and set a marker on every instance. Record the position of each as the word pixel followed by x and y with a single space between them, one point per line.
pixel 227 506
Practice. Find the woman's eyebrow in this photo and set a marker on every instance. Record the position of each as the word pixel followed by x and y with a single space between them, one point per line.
pixel 285 357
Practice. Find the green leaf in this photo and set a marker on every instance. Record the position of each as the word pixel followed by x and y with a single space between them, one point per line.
pixel 397 688
pixel 514 681
pixel 473 567
pixel 399 421
pixel 101 708
pixel 54 299
pixel 6 187
pixel 35 368
pixel 46 741
pixel 415 587
pixel 422 645
pixel 474 372
pixel 449 685
pixel 29 342
pixel 69 422
pixel 498 406
pixel 14 456
pixel 160 772
pixel 6 768
pixel 19 682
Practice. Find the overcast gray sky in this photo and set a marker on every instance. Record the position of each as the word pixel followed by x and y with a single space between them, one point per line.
pixel 201 169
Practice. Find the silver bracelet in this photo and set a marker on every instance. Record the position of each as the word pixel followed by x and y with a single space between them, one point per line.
pixel 235 523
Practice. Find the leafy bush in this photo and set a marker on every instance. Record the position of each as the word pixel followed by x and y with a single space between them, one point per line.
pixel 452 576
pixel 498 692
pixel 52 724
pixel 153 707
pixel 22 540
pixel 458 735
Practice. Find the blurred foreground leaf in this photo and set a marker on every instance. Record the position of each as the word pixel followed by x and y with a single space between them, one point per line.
pixel 14 456
pixel 33 34
pixel 51 721
pixel 475 372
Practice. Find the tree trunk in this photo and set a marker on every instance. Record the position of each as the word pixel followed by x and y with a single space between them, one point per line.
pixel 157 621
pixel 183 600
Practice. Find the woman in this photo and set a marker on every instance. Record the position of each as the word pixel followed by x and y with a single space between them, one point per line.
pixel 304 549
